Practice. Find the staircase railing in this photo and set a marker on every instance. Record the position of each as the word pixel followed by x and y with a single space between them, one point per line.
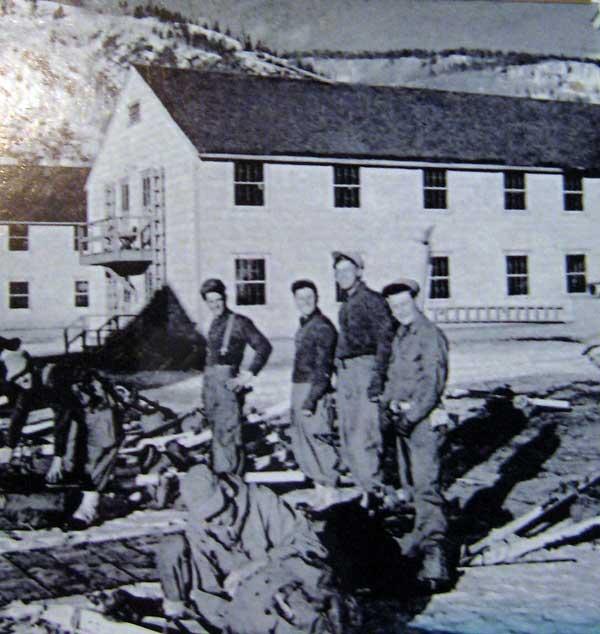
pixel 93 336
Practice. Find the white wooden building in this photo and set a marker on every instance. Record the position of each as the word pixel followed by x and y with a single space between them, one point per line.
pixel 257 180
pixel 43 284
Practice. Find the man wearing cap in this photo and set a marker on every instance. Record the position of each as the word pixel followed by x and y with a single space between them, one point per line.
pixel 224 382
pixel 311 392
pixel 247 562
pixel 416 380
pixel 362 355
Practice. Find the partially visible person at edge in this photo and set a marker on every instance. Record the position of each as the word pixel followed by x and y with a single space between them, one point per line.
pixel 416 380
pixel 311 407
pixel 16 385
pixel 362 356
pixel 225 383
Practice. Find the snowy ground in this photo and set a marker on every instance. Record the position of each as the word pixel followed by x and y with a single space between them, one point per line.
pixel 537 596
pixel 548 592
pixel 470 362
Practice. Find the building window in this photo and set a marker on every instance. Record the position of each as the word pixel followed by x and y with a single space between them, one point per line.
pixel 439 281
pixel 250 281
pixel 514 190
pixel 18 237
pixel 573 191
pixel 146 191
pixel 80 236
pixel 82 294
pixel 516 275
pixel 109 201
pixel 249 183
pixel 434 189
pixel 346 185
pixel 135 112
pixel 18 294
pixel 125 197
pixel 576 279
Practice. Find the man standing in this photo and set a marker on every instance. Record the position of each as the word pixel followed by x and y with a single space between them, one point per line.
pixel 224 382
pixel 362 355
pixel 416 380
pixel 311 387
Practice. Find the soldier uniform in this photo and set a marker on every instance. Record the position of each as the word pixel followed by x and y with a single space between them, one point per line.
pixel 315 343
pixel 362 355
pixel 228 336
pixel 234 529
pixel 416 379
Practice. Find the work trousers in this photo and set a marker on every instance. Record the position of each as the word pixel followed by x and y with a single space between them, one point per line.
pixel 359 422
pixel 223 409
pixel 419 467
pixel 194 571
pixel 316 457
pixel 92 450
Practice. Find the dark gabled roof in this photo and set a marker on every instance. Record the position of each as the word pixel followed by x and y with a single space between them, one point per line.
pixel 241 114
pixel 33 193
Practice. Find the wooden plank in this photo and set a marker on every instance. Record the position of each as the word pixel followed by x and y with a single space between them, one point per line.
pixel 274 477
pixel 138 524
pixel 83 621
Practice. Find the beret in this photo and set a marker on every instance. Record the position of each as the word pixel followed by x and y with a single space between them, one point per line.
pixel 298 284
pixel 212 285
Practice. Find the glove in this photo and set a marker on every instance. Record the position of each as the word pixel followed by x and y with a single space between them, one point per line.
pixel 5 455
pixel 55 473
pixel 400 423
pixel 240 383
pixel 375 389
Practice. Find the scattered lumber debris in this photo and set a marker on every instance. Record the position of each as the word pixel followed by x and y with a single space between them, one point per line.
pixel 510 542
pixel 505 393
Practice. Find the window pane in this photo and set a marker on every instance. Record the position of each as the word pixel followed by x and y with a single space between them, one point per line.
pixel 434 178
pixel 18 237
pixel 18 294
pixel 514 200
pixel 572 182
pixel 576 277
pixel 250 294
pixel 435 199
pixel 19 288
pixel 19 301
pixel 134 112
pixel 125 197
pixel 346 175
pixel 573 202
pixel 516 264
pixel 439 266
pixel 517 285
pixel 439 289
pixel 576 284
pixel 347 197
pixel 576 263
pixel 248 172
pixel 248 194
pixel 514 180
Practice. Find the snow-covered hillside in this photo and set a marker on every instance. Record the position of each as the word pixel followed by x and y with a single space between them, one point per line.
pixel 572 80
pixel 61 68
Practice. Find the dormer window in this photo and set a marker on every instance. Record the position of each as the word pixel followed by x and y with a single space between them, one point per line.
pixel 135 113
